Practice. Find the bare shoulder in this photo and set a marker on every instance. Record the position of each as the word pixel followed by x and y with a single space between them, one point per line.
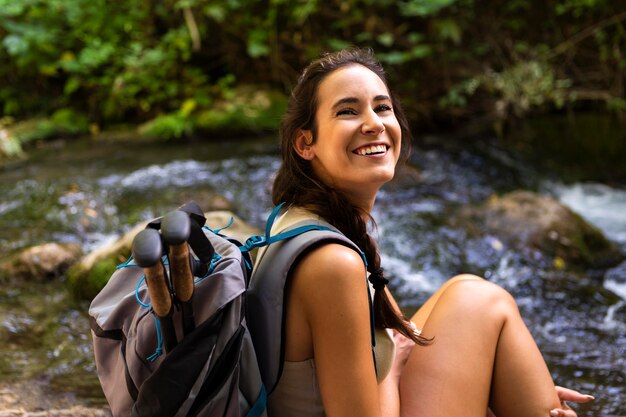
pixel 330 274
pixel 331 263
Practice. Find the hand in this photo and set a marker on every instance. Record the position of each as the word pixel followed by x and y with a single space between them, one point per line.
pixel 388 389
pixel 566 394
pixel 404 346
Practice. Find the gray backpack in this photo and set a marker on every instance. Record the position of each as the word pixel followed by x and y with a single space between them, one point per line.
pixel 196 356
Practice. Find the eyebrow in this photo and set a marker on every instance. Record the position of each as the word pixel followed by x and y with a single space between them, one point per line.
pixel 347 100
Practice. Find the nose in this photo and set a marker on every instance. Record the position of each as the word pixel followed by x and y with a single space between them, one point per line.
pixel 372 124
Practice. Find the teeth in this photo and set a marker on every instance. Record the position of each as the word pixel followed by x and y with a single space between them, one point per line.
pixel 372 149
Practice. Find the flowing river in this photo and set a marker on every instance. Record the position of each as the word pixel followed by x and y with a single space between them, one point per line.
pixel 90 195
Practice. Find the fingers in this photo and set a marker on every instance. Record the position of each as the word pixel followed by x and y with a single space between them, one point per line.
pixel 566 394
pixel 560 412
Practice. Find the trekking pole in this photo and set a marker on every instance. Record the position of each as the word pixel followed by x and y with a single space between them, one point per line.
pixel 176 228
pixel 147 251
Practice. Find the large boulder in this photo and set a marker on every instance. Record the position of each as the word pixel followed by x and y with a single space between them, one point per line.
pixel 87 277
pixel 41 262
pixel 525 220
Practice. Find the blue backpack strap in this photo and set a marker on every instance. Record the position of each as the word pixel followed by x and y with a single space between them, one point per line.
pixel 260 405
pixel 254 242
pixel 265 299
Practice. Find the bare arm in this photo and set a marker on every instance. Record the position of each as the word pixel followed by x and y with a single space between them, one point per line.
pixel 330 286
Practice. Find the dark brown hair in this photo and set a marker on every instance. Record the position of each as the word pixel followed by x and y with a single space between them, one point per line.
pixel 297 184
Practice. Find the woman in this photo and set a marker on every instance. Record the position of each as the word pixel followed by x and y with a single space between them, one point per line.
pixel 342 136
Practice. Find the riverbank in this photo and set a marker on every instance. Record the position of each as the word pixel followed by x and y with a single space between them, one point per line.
pixel 34 399
pixel 584 146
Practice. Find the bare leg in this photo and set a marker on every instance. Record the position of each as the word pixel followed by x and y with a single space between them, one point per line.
pixel 483 355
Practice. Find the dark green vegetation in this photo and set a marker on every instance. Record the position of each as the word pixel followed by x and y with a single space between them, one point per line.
pixel 185 67
pixel 577 147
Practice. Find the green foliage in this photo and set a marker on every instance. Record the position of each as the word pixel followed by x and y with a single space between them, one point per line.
pixel 142 61
pixel 617 104
pixel 167 126
pixel 248 110
pixel 242 109
pixel 577 7
pixel 518 89
pixel 423 8
pixel 105 51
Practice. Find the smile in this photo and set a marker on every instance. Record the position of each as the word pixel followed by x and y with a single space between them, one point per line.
pixel 371 150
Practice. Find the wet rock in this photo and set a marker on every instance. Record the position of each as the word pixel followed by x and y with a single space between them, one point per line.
pixel 41 262
pixel 207 199
pixel 88 277
pixel 525 220
pixel 239 230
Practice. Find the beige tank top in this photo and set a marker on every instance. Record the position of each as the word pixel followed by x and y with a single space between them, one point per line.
pixel 297 392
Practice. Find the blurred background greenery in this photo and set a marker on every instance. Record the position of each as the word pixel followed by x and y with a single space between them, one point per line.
pixel 183 68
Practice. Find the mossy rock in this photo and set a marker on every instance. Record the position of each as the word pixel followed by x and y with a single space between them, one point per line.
pixel 525 219
pixel 87 277
pixel 40 263
pixel 14 136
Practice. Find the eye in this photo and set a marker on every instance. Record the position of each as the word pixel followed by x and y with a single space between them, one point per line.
pixel 346 111
pixel 382 108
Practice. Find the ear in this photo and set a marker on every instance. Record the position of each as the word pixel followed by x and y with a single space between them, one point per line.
pixel 302 145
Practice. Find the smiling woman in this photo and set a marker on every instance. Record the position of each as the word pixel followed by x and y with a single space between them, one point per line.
pixel 466 351
pixel 357 139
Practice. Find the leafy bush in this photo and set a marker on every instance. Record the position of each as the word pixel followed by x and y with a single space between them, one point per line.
pixel 141 61
pixel 248 109
pixel 517 90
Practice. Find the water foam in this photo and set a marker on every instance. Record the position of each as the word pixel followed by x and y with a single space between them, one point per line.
pixel 599 204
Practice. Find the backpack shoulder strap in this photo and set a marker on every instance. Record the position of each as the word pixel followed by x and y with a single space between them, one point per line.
pixel 265 301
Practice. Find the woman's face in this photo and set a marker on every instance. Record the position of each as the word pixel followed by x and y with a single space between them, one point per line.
pixel 358 136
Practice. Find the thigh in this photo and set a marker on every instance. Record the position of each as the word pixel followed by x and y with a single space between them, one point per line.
pixel 452 376
pixel 421 316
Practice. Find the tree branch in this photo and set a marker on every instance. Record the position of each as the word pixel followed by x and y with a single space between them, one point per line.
pixel 585 33
pixel 190 21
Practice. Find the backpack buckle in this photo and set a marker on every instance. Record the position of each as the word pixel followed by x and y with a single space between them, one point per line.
pixel 254 242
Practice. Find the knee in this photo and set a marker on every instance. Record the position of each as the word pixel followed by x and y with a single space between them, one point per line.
pixel 458 278
pixel 464 277
pixel 477 295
